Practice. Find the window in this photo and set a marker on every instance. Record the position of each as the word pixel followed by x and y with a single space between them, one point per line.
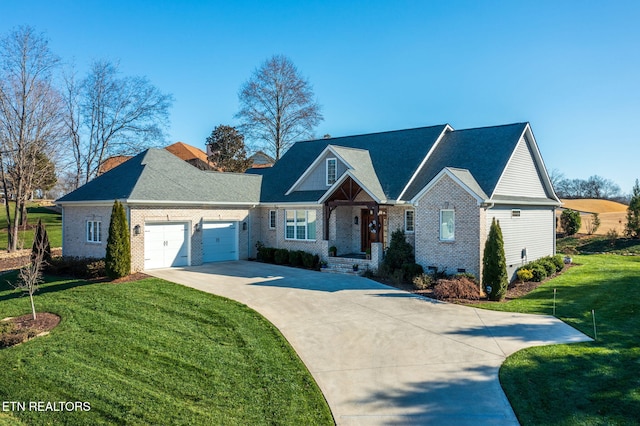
pixel 272 219
pixel 94 231
pixel 409 221
pixel 447 225
pixel 300 225
pixel 332 171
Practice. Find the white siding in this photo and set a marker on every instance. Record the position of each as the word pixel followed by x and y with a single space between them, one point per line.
pixel 317 178
pixel 521 177
pixel 534 231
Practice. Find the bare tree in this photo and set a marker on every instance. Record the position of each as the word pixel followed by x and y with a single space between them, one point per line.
pixel 277 106
pixel 111 115
pixel 30 276
pixel 30 116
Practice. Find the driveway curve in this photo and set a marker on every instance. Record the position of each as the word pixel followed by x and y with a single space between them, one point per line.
pixel 381 355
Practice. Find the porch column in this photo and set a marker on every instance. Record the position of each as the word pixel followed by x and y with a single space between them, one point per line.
pixel 376 211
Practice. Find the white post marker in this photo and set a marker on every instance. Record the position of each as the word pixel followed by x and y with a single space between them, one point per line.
pixel 595 332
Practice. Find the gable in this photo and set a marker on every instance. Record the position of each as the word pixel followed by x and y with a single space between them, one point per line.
pixel 315 178
pixel 521 176
pixel 394 157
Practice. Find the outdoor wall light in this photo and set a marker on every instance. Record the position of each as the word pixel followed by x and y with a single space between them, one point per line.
pixel 355 220
pixel 197 227
pixel 136 230
pixel 244 226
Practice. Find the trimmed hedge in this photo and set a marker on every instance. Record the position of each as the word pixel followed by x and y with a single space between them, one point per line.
pixel 77 267
pixel 295 258
pixel 543 267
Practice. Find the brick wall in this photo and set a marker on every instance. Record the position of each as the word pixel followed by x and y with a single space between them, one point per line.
pixel 74 242
pixel 465 251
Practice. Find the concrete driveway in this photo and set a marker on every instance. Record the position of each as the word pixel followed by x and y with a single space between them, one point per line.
pixel 381 355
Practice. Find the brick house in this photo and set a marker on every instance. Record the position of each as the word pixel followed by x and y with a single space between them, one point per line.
pixel 441 186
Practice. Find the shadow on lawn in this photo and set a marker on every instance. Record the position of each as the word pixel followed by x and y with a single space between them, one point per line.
pixel 45 288
pixel 598 386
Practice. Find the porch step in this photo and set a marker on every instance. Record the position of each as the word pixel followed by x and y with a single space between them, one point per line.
pixel 344 265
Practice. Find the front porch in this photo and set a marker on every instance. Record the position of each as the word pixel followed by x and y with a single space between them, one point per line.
pixel 355 226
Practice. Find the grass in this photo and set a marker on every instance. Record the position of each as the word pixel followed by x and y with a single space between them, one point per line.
pixel 590 244
pixel 51 220
pixel 587 383
pixel 153 352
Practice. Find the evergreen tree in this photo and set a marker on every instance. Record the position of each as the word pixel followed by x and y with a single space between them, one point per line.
pixel 228 153
pixel 118 257
pixel 632 229
pixel 494 271
pixel 41 248
pixel 570 221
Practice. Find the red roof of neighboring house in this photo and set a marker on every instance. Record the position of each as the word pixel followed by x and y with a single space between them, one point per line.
pixel 112 162
pixel 187 152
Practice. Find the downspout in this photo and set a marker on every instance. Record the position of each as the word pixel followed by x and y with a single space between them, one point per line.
pixel 62 210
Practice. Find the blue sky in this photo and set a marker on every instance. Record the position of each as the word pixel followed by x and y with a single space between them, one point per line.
pixel 570 68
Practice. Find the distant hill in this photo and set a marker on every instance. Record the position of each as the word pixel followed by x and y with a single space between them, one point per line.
pixel 613 215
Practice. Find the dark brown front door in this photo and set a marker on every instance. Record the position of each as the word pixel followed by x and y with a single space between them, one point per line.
pixel 369 229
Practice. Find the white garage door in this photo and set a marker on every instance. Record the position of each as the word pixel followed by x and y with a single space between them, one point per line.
pixel 165 245
pixel 219 241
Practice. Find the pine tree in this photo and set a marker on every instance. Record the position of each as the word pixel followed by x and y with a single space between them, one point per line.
pixel 118 257
pixel 41 248
pixel 494 272
pixel 632 229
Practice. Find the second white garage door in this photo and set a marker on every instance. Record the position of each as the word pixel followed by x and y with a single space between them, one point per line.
pixel 219 241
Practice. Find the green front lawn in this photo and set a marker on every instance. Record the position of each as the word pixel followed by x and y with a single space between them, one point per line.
pixel 587 383
pixel 154 352
pixel 51 220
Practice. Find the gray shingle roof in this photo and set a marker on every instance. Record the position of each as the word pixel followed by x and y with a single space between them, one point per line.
pixel 394 155
pixel 484 152
pixel 156 175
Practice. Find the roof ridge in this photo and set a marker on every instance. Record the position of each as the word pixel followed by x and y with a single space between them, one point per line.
pixel 492 127
pixel 373 133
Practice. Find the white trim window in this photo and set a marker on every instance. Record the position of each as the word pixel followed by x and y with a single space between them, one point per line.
pixel 300 225
pixel 409 221
pixel 332 171
pixel 94 231
pixel 273 219
pixel 447 225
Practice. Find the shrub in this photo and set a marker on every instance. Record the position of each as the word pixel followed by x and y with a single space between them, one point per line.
pixel 612 236
pixel 281 256
pixel 77 267
pixel 632 227
pixel 524 274
pixel 307 260
pixel 118 253
pixel 411 270
pixel 467 275
pixel 494 277
pixel 558 260
pixel 295 258
pixel 548 265
pixel 397 276
pixel 456 288
pixel 316 262
pixel 423 281
pixel 539 272
pixel 570 221
pixel 399 251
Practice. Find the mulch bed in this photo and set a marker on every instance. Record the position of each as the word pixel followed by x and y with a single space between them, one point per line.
pixel 515 290
pixel 20 329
